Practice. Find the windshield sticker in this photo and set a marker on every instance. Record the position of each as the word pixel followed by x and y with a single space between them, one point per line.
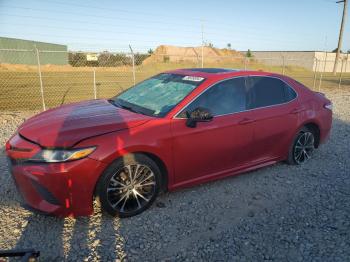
pixel 193 78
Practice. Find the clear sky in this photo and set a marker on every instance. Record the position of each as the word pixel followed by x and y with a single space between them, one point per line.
pixel 113 25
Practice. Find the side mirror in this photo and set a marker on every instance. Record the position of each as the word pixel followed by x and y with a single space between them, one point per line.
pixel 200 114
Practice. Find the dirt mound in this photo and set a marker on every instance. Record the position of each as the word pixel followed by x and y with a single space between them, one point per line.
pixel 167 53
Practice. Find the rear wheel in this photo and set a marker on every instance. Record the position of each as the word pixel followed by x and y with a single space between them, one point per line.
pixel 302 147
pixel 129 185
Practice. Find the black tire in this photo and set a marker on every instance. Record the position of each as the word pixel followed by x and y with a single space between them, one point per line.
pixel 304 134
pixel 111 192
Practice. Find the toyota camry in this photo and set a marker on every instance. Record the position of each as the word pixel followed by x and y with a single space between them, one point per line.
pixel 176 129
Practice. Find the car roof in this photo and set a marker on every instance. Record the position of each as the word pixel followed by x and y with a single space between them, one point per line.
pixel 218 73
pixel 212 70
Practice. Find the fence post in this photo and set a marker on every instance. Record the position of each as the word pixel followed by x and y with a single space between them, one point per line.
pixel 133 65
pixel 346 63
pixel 315 74
pixel 40 78
pixel 202 57
pixel 345 69
pixel 95 90
pixel 324 69
pixel 283 65
pixel 341 72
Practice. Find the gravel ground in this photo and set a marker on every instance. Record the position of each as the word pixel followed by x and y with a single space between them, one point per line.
pixel 278 213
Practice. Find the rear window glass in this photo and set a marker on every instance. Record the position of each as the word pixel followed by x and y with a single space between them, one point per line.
pixel 267 91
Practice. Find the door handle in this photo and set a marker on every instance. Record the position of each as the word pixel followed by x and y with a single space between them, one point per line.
pixel 297 110
pixel 246 121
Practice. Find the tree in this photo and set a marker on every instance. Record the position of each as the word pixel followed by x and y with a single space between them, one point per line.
pixel 139 58
pixel 150 51
pixel 107 59
pixel 229 45
pixel 249 53
pixel 208 44
pixel 77 59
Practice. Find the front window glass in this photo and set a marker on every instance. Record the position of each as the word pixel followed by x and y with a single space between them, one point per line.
pixel 157 95
pixel 226 97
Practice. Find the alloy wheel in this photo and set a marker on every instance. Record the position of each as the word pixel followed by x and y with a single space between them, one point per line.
pixel 131 188
pixel 304 147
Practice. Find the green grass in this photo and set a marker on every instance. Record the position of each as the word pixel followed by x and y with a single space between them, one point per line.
pixel 20 90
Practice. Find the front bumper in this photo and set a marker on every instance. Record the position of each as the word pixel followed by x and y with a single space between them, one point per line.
pixel 61 189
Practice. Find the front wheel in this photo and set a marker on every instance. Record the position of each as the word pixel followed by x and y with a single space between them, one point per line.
pixel 302 147
pixel 129 185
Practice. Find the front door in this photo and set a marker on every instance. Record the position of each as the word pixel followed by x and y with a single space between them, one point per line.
pixel 223 144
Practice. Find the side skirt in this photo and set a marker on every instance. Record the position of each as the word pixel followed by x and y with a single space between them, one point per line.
pixel 222 174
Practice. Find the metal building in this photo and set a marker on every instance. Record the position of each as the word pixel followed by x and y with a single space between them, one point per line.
pixel 311 60
pixel 19 51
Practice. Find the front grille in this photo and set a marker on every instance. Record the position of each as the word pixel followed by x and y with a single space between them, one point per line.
pixel 19 162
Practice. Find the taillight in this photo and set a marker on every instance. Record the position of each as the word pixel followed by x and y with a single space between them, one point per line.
pixel 329 106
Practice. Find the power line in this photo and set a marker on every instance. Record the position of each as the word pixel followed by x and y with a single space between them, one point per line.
pixel 219 25
pixel 95 16
pixel 116 10
pixel 217 36
pixel 89 30
pixel 87 22
pixel 102 38
pixel 209 33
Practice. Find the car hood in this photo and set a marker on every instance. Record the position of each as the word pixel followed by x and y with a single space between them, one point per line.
pixel 66 125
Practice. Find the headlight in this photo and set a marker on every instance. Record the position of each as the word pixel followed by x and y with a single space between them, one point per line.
pixel 62 155
pixel 329 106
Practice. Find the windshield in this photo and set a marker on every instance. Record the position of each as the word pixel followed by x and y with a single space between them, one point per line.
pixel 156 96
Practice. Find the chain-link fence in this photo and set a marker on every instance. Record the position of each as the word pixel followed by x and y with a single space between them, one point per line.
pixel 37 79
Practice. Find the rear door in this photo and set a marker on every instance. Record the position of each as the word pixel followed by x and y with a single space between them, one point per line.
pixel 275 109
pixel 221 144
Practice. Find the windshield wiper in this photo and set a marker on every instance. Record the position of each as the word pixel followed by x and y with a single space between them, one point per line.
pixel 130 108
pixel 113 102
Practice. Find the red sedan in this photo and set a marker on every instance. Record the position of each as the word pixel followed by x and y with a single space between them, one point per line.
pixel 176 129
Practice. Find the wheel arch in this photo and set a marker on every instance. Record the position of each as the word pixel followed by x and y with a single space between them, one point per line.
pixel 314 127
pixel 159 162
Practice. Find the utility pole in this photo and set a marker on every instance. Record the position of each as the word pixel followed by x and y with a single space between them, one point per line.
pixel 202 43
pixel 340 34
